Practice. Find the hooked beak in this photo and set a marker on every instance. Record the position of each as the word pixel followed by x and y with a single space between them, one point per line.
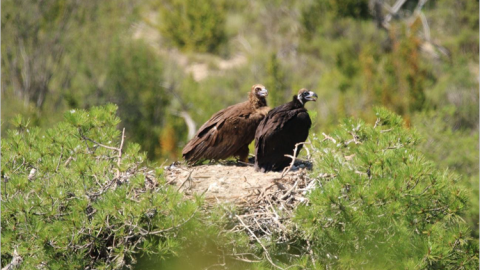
pixel 263 92
pixel 311 96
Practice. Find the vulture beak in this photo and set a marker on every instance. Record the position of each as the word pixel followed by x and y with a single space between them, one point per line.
pixel 263 92
pixel 311 96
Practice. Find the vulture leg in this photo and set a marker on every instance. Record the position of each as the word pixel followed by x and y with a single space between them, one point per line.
pixel 242 153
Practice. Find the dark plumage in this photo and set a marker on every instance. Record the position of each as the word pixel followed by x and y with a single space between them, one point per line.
pixel 280 130
pixel 229 131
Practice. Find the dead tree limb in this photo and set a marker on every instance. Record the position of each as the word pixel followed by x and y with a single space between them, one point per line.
pixel 267 255
pixel 392 12
pixel 328 138
pixel 191 125
pixel 118 149
pixel 15 262
pixel 287 169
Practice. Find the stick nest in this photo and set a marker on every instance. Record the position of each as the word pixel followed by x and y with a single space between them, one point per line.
pixel 265 201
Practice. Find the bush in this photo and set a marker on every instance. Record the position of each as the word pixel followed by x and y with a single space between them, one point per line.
pixel 70 201
pixel 381 204
pixel 452 149
pixel 194 25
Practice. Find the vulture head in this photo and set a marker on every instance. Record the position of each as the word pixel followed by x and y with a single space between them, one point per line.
pixel 257 95
pixel 260 91
pixel 304 95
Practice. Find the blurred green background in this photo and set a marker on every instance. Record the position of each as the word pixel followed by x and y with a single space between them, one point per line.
pixel 170 64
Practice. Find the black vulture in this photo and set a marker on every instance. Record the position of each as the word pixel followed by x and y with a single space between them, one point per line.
pixel 282 128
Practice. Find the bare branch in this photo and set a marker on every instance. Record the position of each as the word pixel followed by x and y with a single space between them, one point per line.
pixel 426 28
pixel 176 226
pixel 186 179
pixel 191 125
pixel 354 139
pixel 287 169
pixel 99 144
pixel 69 159
pixel 15 262
pixel 59 160
pixel 328 138
pixel 394 10
pixel 377 122
pixel 120 148
pixel 258 240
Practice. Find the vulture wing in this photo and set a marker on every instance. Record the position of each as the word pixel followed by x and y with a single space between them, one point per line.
pixel 277 135
pixel 227 133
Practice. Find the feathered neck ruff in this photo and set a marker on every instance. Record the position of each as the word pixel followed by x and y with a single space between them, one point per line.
pixel 255 101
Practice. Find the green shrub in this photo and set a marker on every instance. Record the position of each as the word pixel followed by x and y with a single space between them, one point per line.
pixel 194 25
pixel 381 204
pixel 453 149
pixel 69 201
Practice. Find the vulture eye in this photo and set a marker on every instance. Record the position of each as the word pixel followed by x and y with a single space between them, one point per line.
pixel 257 89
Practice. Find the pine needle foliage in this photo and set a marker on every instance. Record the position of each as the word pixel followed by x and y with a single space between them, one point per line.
pixel 69 201
pixel 380 204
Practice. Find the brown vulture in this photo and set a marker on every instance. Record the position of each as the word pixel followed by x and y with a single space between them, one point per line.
pixel 282 128
pixel 229 131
